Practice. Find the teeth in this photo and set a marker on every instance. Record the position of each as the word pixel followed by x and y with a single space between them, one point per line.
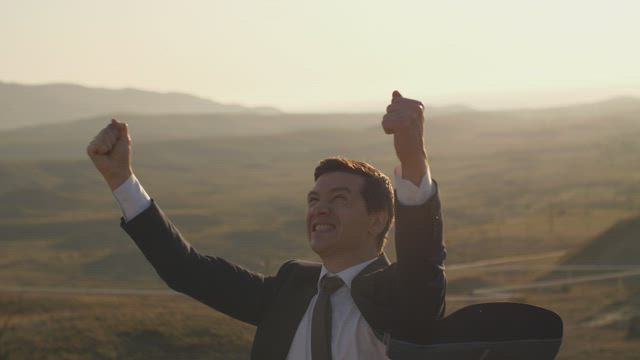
pixel 323 227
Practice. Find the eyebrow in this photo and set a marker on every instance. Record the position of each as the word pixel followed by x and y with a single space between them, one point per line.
pixel 334 190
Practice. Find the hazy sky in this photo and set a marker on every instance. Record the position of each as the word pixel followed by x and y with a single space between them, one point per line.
pixel 330 55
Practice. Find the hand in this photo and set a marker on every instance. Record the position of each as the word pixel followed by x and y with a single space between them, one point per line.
pixel 110 152
pixel 402 113
pixel 405 120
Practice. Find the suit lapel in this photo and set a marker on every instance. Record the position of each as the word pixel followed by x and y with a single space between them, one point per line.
pixel 380 263
pixel 363 285
pixel 275 333
pixel 363 292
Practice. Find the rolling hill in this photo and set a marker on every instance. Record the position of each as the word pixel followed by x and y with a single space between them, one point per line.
pixel 24 105
pixel 511 183
pixel 618 245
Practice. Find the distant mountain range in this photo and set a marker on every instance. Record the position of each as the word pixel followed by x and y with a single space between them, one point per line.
pixel 23 105
pixel 28 106
pixel 67 138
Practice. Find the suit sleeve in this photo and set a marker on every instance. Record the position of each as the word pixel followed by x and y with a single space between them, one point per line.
pixel 415 286
pixel 224 286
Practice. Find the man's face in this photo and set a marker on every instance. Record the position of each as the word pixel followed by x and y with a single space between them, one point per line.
pixel 337 218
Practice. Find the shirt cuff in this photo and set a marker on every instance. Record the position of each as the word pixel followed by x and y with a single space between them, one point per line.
pixel 131 198
pixel 410 194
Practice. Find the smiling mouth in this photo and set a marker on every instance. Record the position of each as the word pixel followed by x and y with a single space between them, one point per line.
pixel 322 228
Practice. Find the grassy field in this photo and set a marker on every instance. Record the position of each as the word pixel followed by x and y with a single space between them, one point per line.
pixel 175 327
pixel 511 183
pixel 118 327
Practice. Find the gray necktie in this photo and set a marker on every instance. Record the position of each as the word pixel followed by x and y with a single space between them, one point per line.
pixel 321 321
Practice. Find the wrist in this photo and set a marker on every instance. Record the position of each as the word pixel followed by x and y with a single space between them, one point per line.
pixel 115 179
pixel 414 171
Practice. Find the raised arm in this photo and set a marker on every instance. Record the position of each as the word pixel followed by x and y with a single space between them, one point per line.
pixel 417 280
pixel 220 284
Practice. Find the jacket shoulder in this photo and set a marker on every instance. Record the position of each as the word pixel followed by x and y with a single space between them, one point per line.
pixel 298 269
pixel 295 275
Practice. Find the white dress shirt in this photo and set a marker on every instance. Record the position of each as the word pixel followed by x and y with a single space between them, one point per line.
pixel 352 337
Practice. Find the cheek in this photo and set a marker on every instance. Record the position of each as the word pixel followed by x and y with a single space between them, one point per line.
pixel 354 223
pixel 307 219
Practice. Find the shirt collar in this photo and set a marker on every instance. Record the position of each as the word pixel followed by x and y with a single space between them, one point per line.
pixel 347 275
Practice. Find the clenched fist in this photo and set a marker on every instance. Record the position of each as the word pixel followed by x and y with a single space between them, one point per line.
pixel 405 120
pixel 110 152
pixel 403 113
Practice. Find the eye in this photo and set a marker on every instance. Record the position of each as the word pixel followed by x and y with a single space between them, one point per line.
pixel 341 198
pixel 311 201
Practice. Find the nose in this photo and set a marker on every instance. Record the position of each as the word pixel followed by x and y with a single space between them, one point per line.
pixel 318 210
pixel 321 209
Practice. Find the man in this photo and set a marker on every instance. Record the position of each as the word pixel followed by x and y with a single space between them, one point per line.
pixel 348 306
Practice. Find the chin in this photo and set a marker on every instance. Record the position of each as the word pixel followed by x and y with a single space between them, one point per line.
pixel 321 246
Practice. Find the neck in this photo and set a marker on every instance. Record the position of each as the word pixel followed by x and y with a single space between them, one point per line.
pixel 342 261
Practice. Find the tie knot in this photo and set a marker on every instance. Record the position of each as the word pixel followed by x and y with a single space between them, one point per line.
pixel 329 284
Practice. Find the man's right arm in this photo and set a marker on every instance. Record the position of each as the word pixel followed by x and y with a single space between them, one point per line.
pixel 222 285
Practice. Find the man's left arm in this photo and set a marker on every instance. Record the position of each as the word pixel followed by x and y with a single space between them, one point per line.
pixel 419 284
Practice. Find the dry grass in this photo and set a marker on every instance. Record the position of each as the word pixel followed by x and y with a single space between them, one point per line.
pixel 511 183
pixel 119 327
pixel 175 327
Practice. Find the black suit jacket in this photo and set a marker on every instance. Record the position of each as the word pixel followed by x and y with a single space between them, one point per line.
pixel 402 299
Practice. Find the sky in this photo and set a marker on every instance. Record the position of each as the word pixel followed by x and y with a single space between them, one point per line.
pixel 319 56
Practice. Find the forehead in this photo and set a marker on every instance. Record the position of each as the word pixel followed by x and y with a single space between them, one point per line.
pixel 332 180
